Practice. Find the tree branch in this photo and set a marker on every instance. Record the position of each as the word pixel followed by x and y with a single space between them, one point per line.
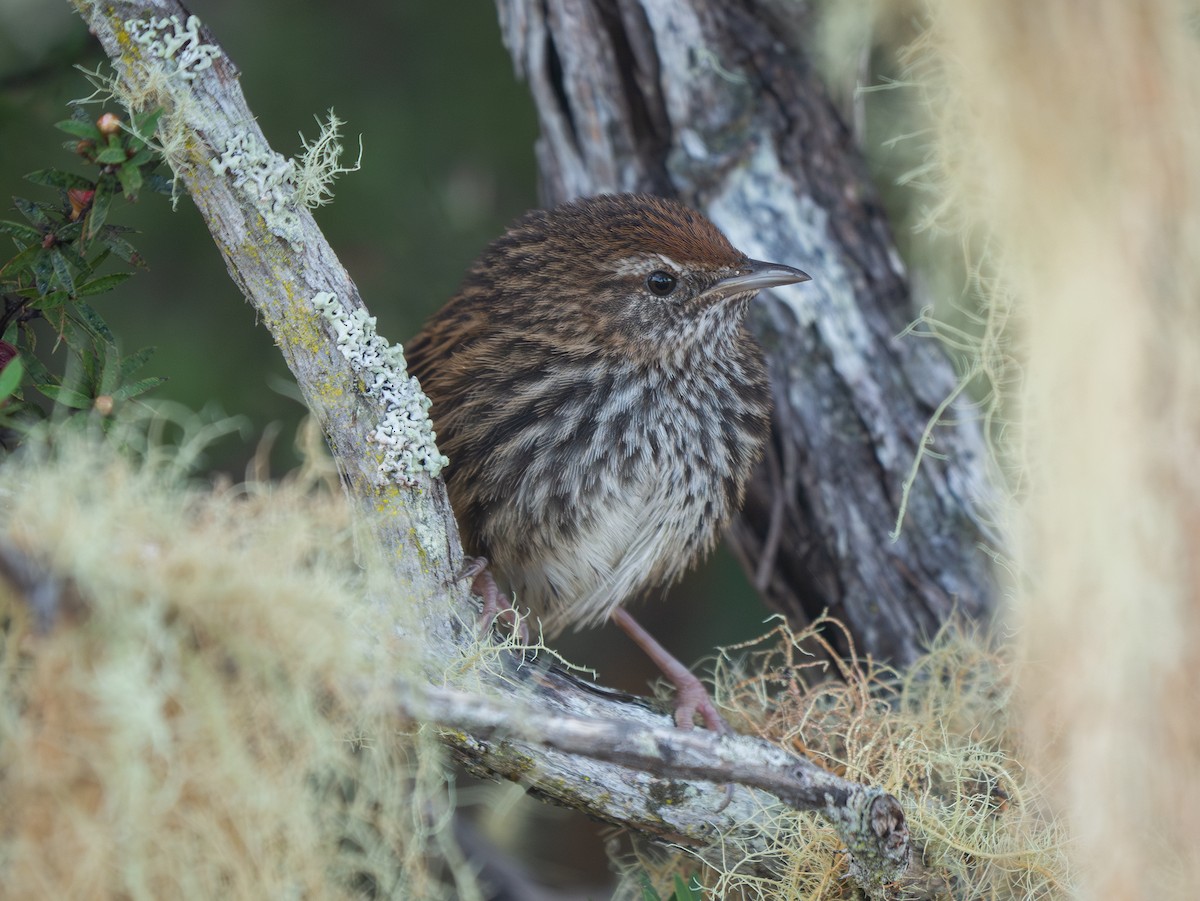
pixel 279 258
pixel 867 819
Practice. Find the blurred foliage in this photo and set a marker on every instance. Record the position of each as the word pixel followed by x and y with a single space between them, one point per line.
pixel 62 245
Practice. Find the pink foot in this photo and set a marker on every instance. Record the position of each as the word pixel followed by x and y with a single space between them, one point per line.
pixel 496 604
pixel 691 697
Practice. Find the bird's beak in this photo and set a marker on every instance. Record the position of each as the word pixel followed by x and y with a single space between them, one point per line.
pixel 754 276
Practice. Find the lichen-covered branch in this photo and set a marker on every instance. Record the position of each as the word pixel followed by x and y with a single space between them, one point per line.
pixel 867 819
pixel 249 197
pixel 373 418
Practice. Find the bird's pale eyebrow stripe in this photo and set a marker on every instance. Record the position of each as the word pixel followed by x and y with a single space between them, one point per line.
pixel 638 264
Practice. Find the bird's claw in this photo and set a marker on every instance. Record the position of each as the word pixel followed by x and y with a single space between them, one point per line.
pixel 692 699
pixel 496 605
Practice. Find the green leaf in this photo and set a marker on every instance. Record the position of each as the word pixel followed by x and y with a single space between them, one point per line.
pixel 69 244
pixel 51 300
pixel 145 124
pixel 62 270
pixel 87 317
pixel 122 248
pixel 81 128
pixel 109 376
pixel 101 201
pixel 22 262
pixel 37 371
pixel 649 893
pixel 56 178
pixel 34 212
pixel 142 157
pixel 112 155
pixel 20 230
pixel 84 375
pixel 130 177
pixel 10 377
pixel 686 891
pixel 133 389
pixel 66 396
pixel 160 184
pixel 43 273
pixel 101 284
pixel 136 361
pixel 17 410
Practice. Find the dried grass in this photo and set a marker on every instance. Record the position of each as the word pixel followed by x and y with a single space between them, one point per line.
pixel 940 737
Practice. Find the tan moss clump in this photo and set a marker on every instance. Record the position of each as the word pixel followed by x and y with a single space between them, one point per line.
pixel 206 716
pixel 940 737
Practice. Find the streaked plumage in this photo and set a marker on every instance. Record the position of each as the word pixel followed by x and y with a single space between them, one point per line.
pixel 599 436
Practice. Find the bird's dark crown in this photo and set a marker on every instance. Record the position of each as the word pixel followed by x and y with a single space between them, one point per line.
pixel 609 234
pixel 602 252
pixel 616 227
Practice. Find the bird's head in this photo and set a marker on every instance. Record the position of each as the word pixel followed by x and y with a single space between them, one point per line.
pixel 625 268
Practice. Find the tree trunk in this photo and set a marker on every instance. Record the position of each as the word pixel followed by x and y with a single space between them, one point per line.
pixel 704 101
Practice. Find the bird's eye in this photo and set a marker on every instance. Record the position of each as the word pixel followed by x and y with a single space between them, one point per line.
pixel 661 283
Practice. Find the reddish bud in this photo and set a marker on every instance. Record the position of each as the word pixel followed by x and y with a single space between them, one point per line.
pixel 81 201
pixel 103 404
pixel 108 124
pixel 7 352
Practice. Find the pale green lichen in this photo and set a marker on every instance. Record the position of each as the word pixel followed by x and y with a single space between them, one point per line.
pixel 319 164
pixel 404 432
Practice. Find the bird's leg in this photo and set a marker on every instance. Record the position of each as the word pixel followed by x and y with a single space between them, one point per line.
pixel 496 604
pixel 691 697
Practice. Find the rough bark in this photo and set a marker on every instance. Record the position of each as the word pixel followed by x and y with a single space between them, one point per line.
pixel 703 100
pixel 659 790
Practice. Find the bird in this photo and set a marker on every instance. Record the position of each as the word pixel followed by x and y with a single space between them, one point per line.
pixel 602 405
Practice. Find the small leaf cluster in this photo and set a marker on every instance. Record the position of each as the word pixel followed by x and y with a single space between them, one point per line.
pixel 61 246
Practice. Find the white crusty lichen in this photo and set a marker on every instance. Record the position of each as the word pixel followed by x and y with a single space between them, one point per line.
pixel 405 432
pixel 267 178
pixel 168 40
pixel 279 186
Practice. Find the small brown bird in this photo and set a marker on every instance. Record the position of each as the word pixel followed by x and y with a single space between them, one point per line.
pixel 602 406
